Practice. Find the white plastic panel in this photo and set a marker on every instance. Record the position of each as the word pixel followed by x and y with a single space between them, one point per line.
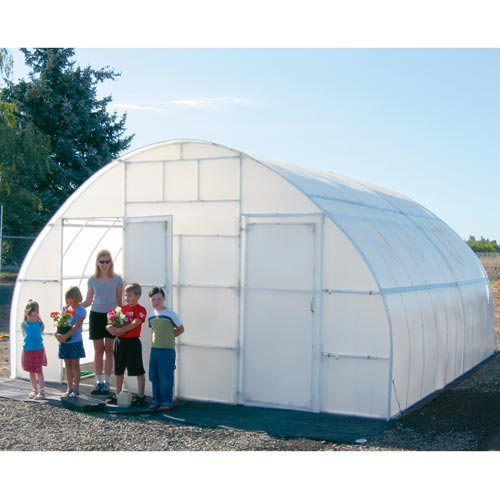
pixel 353 386
pixel 280 255
pixel 401 362
pixel 160 152
pixel 398 201
pixel 206 374
pixel 478 345
pixel 440 304
pixel 139 235
pixel 101 196
pixel 210 260
pixel 344 267
pixel 454 340
pixel 144 181
pixel 220 179
pixel 210 316
pixel 277 352
pixel 430 340
pixel 195 150
pixel 209 218
pixel 43 260
pixel 417 348
pixel 355 324
pixel 265 192
pixel 181 181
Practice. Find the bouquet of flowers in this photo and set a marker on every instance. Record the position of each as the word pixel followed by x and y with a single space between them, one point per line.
pixel 62 320
pixel 117 317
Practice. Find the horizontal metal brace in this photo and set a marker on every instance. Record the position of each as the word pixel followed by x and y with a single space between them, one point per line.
pixel 352 356
pixel 281 290
pixel 183 202
pixel 433 286
pixel 24 280
pixel 219 348
pixel 280 215
pixel 331 291
pixel 225 287
pixel 94 226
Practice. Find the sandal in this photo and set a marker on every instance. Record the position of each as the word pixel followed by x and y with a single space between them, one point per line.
pixel 137 401
pixel 112 400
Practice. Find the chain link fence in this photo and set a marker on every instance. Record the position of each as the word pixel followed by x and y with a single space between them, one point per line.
pixel 13 251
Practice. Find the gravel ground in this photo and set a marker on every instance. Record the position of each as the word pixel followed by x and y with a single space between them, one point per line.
pixel 65 430
pixel 466 416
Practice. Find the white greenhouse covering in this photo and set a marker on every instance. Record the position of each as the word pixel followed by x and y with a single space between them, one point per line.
pixel 298 289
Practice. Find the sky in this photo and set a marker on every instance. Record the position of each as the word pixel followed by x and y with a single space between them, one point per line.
pixel 423 122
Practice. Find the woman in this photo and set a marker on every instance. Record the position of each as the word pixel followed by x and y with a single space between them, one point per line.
pixel 105 289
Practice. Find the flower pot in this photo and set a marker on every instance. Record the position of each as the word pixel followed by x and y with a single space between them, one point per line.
pixel 64 329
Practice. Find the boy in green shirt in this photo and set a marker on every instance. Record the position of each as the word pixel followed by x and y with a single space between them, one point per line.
pixel 165 326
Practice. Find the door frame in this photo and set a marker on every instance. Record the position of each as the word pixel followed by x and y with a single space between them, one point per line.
pixel 317 220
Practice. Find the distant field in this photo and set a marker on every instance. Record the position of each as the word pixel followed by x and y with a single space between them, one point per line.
pixel 491 263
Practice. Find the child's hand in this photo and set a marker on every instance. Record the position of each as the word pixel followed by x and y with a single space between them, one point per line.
pixel 111 329
pixel 59 337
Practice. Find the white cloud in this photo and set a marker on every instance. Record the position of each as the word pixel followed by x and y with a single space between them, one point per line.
pixel 203 103
pixel 140 107
pixel 213 102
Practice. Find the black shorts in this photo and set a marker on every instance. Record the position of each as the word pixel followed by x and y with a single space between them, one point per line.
pixel 97 326
pixel 128 354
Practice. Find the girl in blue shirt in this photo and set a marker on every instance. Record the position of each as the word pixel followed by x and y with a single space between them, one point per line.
pixel 33 357
pixel 71 348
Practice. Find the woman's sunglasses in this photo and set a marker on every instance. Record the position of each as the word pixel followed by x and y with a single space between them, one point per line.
pixel 104 261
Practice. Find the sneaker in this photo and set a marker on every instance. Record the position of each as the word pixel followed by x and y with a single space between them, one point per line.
pixel 74 394
pixel 105 388
pixel 153 406
pixel 32 394
pixel 97 388
pixel 137 401
pixel 67 393
pixel 164 408
pixel 112 400
pixel 40 395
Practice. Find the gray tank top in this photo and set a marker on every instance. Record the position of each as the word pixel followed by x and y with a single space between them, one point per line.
pixel 104 293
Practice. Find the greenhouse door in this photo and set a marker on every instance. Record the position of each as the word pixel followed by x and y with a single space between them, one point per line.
pixel 147 260
pixel 147 254
pixel 279 302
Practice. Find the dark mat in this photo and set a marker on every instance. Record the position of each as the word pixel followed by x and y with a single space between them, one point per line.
pixel 19 389
pixel 282 423
pixel 131 410
pixel 83 403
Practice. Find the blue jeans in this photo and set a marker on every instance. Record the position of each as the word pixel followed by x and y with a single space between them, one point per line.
pixel 161 374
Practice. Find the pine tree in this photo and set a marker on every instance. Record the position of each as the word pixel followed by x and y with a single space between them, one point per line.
pixel 61 102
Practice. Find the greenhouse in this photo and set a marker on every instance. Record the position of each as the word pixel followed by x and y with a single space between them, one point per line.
pixel 299 289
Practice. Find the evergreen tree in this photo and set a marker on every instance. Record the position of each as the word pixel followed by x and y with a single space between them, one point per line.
pixel 60 100
pixel 23 161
